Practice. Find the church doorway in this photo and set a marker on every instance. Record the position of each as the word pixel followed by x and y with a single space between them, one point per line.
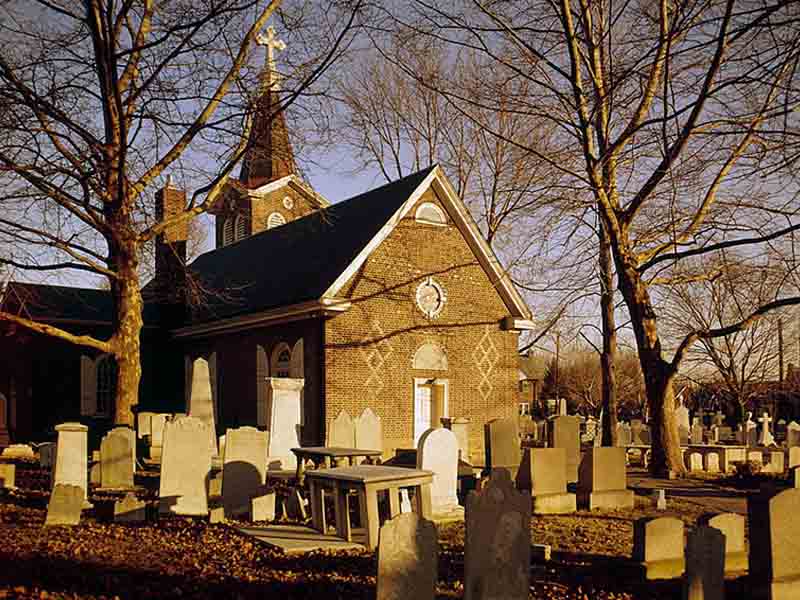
pixel 430 404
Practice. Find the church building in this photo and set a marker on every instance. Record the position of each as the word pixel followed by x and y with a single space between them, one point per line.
pixel 390 300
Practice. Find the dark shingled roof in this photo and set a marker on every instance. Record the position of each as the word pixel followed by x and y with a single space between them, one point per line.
pixel 299 261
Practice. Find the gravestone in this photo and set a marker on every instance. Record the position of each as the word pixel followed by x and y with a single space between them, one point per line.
pixel 71 456
pixel 438 452
pixel 602 481
pixel 368 431
pixel 765 438
pixel 201 400
pixel 562 407
pixel 756 456
pixel 130 510
pixel 7 476
pixel 262 507
pixel 695 461
pixel 636 432
pixel 712 462
pixel 705 565
pixel 116 459
pixel 775 464
pixel 775 544
pixel 658 547
pixel 725 433
pixel 460 428
pixel 143 424
pixel 185 468
pixel 157 423
pixel 712 435
pixel 623 435
pixel 244 468
pixel 794 456
pixel 544 472
pixel 749 430
pixel 284 397
pixel 696 435
pixel 407 559
pixel 47 455
pixel 683 435
pixel 502 445
pixel 792 435
pixel 718 419
pixel 498 542
pixel 565 433
pixel 732 526
pixel 18 451
pixel 682 418
pixel 660 499
pixel 66 502
pixel 342 432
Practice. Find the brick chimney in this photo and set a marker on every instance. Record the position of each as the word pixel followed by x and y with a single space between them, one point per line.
pixel 170 279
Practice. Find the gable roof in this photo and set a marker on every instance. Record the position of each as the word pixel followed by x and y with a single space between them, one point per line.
pixel 299 261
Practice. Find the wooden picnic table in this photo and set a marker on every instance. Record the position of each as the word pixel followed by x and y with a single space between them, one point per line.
pixel 330 456
pixel 366 481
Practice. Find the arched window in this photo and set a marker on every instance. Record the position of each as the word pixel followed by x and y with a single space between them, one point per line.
pixel 275 219
pixel 281 360
pixel 106 384
pixel 428 212
pixel 241 227
pixel 296 365
pixel 227 231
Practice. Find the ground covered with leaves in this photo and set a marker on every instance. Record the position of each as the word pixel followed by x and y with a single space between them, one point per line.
pixel 185 558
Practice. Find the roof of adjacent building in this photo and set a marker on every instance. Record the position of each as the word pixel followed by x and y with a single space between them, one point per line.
pixel 296 262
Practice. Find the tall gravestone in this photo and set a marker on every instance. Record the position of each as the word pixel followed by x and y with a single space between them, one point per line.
pixel 157 423
pixel 47 455
pixel 284 396
pixel 705 565
pixel 342 431
pixel 116 459
pixel 544 472
pixel 7 476
pixel 244 468
pixel 565 433
pixel 460 428
pixel 143 423
pixel 185 468
pixel 438 452
pixel 658 547
pixel 502 445
pixel 602 479
pixel 72 456
pixel 201 400
pixel 775 544
pixel 368 431
pixel 407 559
pixel 498 542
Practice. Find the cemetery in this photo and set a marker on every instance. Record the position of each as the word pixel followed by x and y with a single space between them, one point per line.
pixel 196 516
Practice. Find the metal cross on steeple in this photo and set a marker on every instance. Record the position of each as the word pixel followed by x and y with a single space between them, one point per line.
pixel 270 40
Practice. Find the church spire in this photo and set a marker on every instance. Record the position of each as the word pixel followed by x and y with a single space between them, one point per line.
pixel 269 156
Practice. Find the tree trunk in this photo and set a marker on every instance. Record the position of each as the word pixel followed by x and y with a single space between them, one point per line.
pixel 609 353
pixel 126 342
pixel 666 454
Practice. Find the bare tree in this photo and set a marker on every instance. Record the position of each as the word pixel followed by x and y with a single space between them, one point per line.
pixel 103 100
pixel 685 117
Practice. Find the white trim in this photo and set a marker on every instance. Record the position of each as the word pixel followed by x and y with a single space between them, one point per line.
pixel 432 206
pixel 315 308
pixel 466 225
pixel 294 180
pixel 511 323
pixel 379 237
pixel 418 381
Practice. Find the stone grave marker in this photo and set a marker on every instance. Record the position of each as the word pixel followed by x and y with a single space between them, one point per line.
pixel 407 559
pixel 602 480
pixel 623 435
pixel 202 402
pixel 498 542
pixel 725 433
pixel 794 456
pixel 682 418
pixel 262 507
pixel 7 475
pixel 18 451
pixel 544 472
pixel 775 544
pixel 695 461
pixel 130 510
pixel 749 430
pixel 732 526
pixel 765 438
pixel 116 459
pixel 660 499
pixel 66 502
pixel 284 397
pixel 368 431
pixel 696 434
pixel 438 452
pixel 565 433
pixel 792 435
pixel 636 432
pixel 502 445
pixel 712 462
pixel 157 423
pixel 342 432
pixel 658 547
pixel 244 468
pixel 756 456
pixel 143 423
pixel 47 455
pixel 71 456
pixel 776 463
pixel 705 564
pixel 185 468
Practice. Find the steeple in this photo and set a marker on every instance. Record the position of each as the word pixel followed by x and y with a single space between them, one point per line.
pixel 269 156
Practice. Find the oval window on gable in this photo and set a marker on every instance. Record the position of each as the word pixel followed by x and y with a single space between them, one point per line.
pixel 275 219
pixel 428 212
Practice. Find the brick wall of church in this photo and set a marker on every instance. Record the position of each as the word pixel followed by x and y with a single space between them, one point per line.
pixel 370 348
pixel 274 203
